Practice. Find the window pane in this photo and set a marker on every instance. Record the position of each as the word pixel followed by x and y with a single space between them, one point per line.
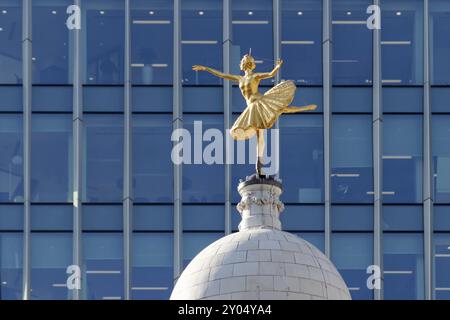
pixel 441 157
pixel 352 254
pixel 315 238
pixel 304 217
pixel 152 163
pixel 402 218
pixel 402 158
pixel 352 218
pixel 301 41
pixel 11 98
pixel 52 56
pixel 440 42
pixel 52 98
pixel 11 158
pixel 103 265
pixel 442 265
pixel 152 217
pixel 152 265
pixel 103 165
pixel 439 99
pixel 250 19
pixel 203 217
pixel 105 35
pixel 51 158
pixel 152 99
pixel 301 137
pixel 350 30
pixel 151 41
pixel 403 266
pixel 351 158
pixel 102 217
pixel 103 98
pixel 10 41
pixel 204 182
pixel 201 39
pixel 203 99
pixel 11 258
pixel 352 99
pixel 403 99
pixel 51 254
pixel 51 217
pixel 402 42
pixel 441 218
pixel 193 243
pixel 11 217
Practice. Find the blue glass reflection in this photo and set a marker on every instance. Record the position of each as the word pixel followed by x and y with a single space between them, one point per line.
pixel 442 265
pixel 402 159
pixel 301 41
pixel 441 217
pixel 352 253
pixel 51 254
pixel 402 218
pixel 403 99
pixel 11 258
pixel 301 167
pixel 103 165
pixel 102 217
pixel 51 217
pixel 403 266
pixel 352 99
pixel 103 266
pixel 153 217
pixel 51 43
pixel 352 218
pixel 151 59
pixel 152 172
pixel 51 158
pixel 402 42
pixel 441 157
pixel 351 158
pixel 303 217
pixel 10 41
pixel 152 265
pixel 201 39
pixel 440 42
pixel 351 67
pixel 211 217
pixel 105 34
pixel 193 243
pixel 11 217
pixel 11 158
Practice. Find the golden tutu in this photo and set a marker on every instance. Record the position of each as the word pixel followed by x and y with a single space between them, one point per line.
pixel 263 110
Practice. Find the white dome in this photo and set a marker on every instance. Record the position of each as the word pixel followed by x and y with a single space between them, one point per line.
pixel 260 264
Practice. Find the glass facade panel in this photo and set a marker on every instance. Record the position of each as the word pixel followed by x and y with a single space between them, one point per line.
pixel 402 218
pixel 351 159
pixel 441 157
pixel 10 41
pixel 152 217
pixel 196 217
pixel 193 243
pixel 51 217
pixel 11 246
pixel 407 99
pixel 402 158
pixel 103 158
pixel 102 217
pixel 441 266
pixel 303 218
pixel 151 60
pixel 352 218
pixel 11 158
pixel 441 217
pixel 403 266
pixel 440 42
pixel 51 158
pixel 352 99
pixel 11 217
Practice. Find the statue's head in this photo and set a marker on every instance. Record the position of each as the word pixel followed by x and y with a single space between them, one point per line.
pixel 247 63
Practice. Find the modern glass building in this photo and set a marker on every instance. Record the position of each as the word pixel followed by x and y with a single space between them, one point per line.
pixel 86 117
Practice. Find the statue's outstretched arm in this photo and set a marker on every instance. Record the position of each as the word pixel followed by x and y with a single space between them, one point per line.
pixel 267 75
pixel 217 73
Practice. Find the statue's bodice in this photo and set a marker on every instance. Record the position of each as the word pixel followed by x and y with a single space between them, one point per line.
pixel 249 87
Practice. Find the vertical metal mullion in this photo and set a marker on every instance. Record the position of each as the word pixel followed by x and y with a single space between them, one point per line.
pixel 327 87
pixel 77 127
pixel 177 124
pixel 26 72
pixel 128 185
pixel 276 56
pixel 227 110
pixel 377 121
pixel 427 163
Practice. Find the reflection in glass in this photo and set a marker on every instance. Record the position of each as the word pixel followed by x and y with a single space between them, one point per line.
pixel 151 60
pixel 11 258
pixel 440 41
pixel 103 266
pixel 51 254
pixel 442 265
pixel 11 158
pixel 402 42
pixel 152 171
pixel 103 165
pixel 152 265
pixel 201 39
pixel 52 47
pixel 402 158
pixel 441 157
pixel 105 34
pixel 51 158
pixel 351 158
pixel 403 266
pixel 301 167
pixel 301 41
pixel 10 41
pixel 352 43
pixel 352 253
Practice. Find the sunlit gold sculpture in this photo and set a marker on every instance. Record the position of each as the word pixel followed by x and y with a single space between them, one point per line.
pixel 262 110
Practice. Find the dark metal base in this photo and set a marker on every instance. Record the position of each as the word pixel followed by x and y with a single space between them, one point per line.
pixel 260 179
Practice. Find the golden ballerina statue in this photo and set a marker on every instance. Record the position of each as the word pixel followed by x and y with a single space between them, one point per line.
pixel 262 110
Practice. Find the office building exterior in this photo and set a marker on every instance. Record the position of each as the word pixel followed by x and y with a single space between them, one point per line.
pixel 87 112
